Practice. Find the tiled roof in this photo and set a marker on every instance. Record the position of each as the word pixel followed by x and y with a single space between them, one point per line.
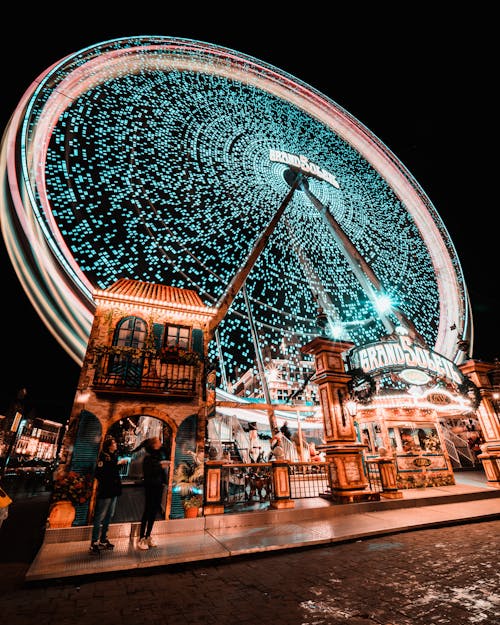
pixel 154 292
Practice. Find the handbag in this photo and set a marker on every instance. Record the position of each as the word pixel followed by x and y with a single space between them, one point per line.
pixel 5 500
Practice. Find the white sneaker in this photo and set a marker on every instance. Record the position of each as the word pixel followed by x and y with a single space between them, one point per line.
pixel 151 542
pixel 143 544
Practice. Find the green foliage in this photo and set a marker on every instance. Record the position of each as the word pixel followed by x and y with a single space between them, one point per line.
pixel 194 501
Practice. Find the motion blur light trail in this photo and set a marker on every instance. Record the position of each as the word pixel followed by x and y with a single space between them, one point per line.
pixel 163 159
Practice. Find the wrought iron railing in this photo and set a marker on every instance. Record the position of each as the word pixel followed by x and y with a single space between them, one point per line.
pixel 246 483
pixel 373 475
pixel 308 479
pixel 144 371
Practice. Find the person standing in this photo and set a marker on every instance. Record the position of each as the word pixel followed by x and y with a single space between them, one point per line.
pixel 275 443
pixel 285 430
pixel 109 488
pixel 154 468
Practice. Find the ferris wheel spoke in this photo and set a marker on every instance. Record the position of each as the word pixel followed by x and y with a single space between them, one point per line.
pixel 367 278
pixel 241 275
pixel 315 283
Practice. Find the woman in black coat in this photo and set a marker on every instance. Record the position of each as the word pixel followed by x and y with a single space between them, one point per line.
pixel 154 468
pixel 109 488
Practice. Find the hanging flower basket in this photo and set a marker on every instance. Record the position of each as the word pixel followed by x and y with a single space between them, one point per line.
pixel 177 355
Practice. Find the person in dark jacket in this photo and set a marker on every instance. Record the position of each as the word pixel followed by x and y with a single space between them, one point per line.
pixel 154 468
pixel 109 488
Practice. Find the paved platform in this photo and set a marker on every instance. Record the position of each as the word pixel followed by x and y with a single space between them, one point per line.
pixel 64 552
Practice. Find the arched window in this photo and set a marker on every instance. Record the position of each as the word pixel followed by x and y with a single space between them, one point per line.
pixel 125 367
pixel 131 332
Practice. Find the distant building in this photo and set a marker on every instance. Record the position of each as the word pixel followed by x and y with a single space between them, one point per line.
pixel 287 374
pixel 37 439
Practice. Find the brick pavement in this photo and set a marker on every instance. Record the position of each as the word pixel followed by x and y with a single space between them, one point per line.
pixel 447 575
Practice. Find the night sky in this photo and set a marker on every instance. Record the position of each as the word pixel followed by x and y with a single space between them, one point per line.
pixel 421 84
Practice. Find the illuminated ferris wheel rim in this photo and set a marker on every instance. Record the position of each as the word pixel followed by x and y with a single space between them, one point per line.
pixel 26 180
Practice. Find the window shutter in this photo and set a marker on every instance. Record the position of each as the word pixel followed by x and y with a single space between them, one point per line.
pixel 198 341
pixel 158 332
pixel 85 451
pixel 185 440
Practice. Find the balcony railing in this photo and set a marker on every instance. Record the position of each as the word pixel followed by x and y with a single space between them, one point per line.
pixel 146 371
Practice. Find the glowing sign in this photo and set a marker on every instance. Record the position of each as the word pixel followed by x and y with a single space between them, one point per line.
pixel 438 398
pixel 415 376
pixel 304 164
pixel 403 354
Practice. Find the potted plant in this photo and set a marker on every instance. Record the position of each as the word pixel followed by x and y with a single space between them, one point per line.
pixel 192 504
pixel 69 490
pixel 188 475
pixel 188 483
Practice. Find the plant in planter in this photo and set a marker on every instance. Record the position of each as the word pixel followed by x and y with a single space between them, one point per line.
pixel 188 475
pixel 192 504
pixel 179 355
pixel 69 490
pixel 188 483
pixel 74 487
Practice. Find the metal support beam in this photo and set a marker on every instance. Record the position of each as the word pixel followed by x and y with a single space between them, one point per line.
pixel 361 269
pixel 238 280
pixel 273 423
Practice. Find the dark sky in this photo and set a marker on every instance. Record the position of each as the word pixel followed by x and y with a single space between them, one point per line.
pixel 421 84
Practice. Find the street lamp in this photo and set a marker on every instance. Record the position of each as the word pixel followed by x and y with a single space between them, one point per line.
pixel 321 321
pixel 352 407
pixel 14 430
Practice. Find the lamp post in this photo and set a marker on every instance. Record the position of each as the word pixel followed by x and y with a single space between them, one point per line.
pixel 14 429
pixel 352 407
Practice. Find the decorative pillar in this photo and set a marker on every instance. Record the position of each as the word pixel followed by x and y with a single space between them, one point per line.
pixel 388 478
pixel 213 503
pixel 281 485
pixel 344 455
pixel 486 376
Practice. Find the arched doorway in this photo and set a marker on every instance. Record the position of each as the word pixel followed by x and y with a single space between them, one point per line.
pixel 129 433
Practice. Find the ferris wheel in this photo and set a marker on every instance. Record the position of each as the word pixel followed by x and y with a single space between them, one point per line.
pixel 164 159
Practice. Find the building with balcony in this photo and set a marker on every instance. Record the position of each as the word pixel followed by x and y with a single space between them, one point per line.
pixel 144 374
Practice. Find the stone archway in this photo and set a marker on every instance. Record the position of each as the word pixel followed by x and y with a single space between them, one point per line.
pixel 130 430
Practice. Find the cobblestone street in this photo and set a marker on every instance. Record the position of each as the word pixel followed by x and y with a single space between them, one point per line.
pixel 445 576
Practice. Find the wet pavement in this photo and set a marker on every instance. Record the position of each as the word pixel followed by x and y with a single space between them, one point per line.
pixel 65 552
pixel 445 574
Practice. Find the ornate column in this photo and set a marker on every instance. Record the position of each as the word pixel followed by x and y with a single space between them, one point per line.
pixel 388 478
pixel 486 376
pixel 344 455
pixel 281 485
pixel 213 496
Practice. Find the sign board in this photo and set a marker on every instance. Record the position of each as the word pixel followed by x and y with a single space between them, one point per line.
pixel 403 355
pixel 15 423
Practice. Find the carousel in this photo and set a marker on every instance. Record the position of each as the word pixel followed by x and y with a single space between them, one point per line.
pixel 402 394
